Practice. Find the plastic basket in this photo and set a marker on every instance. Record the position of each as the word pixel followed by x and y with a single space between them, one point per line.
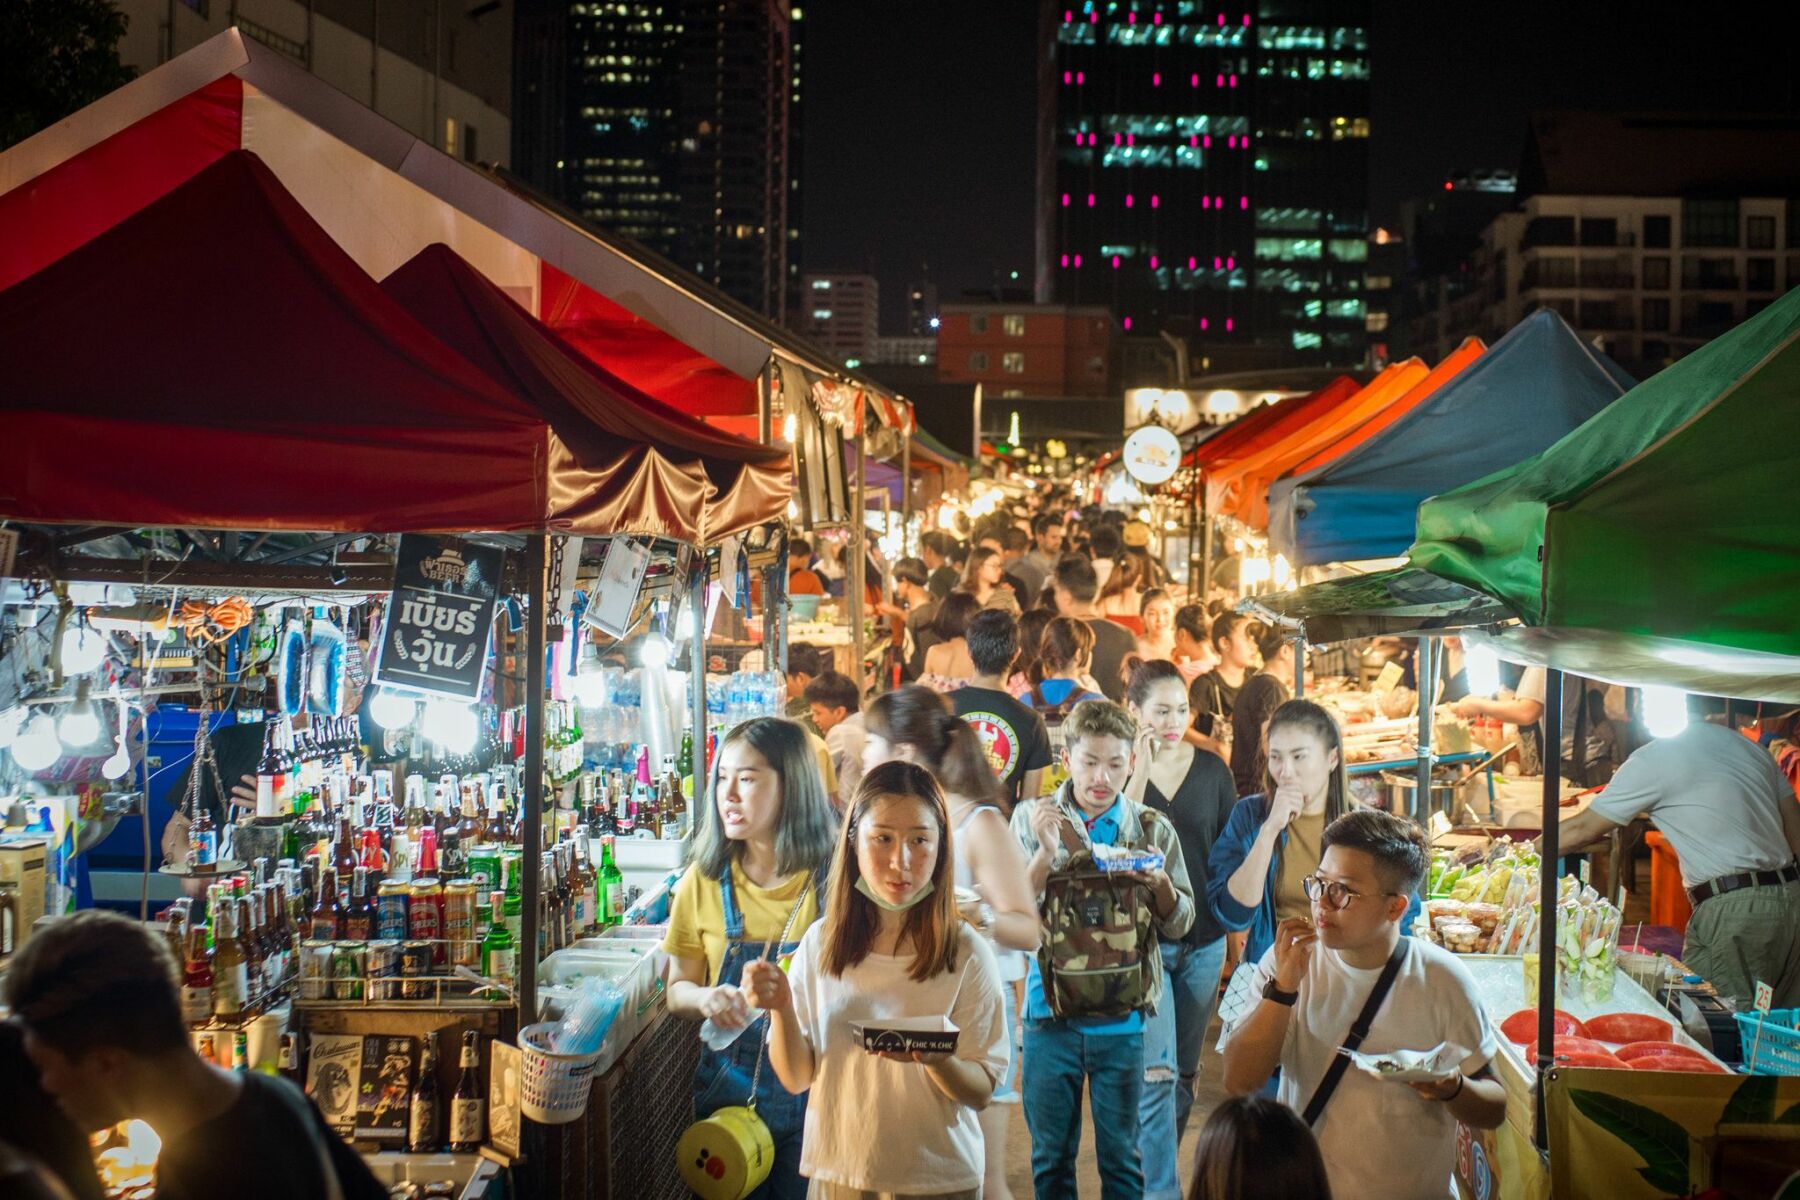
pixel 1771 1044
pixel 555 1087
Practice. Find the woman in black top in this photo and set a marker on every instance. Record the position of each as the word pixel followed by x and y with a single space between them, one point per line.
pixel 1194 789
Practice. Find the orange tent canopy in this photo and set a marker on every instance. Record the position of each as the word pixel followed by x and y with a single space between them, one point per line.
pixel 1459 359
pixel 1241 486
pixel 1268 424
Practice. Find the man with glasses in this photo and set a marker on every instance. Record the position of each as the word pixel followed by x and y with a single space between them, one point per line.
pixel 1349 969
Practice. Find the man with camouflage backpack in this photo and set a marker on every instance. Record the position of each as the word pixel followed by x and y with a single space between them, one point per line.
pixel 1099 969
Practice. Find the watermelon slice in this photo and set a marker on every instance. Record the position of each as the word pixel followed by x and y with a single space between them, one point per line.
pixel 1522 1026
pixel 1568 1045
pixel 1676 1062
pixel 1641 1049
pixel 1625 1028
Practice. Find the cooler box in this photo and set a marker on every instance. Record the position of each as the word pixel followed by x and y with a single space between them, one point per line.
pixel 1668 898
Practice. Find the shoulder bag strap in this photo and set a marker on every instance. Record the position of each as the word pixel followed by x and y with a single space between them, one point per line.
pixel 1359 1029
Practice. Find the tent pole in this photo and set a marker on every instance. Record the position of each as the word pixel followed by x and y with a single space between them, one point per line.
pixel 697 669
pixel 1300 666
pixel 536 553
pixel 1197 589
pixel 1549 865
pixel 1426 677
pixel 859 565
pixel 764 385
pixel 905 493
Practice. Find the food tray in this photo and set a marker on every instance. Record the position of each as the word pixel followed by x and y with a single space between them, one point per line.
pixel 905 1035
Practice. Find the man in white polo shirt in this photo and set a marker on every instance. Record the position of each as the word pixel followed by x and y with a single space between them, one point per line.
pixel 1726 808
pixel 1350 968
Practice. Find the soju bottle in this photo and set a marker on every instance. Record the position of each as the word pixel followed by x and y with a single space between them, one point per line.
pixel 612 886
pixel 499 953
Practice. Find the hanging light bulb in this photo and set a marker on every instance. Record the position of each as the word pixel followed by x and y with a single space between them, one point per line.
pixel 392 710
pixel 653 651
pixel 80 726
pixel 83 649
pixel 589 685
pixel 37 745
pixel 1482 666
pixel 11 721
pixel 451 725
pixel 1665 711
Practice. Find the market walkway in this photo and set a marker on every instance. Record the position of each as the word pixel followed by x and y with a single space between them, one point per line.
pixel 1018 1144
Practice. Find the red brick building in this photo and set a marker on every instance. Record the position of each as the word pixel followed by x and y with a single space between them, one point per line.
pixel 1037 351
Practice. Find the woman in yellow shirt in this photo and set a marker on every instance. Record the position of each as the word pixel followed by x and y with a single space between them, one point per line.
pixel 756 871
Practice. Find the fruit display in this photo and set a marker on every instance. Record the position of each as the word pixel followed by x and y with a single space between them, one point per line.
pixel 1651 1049
pixel 1629 1028
pixel 1521 1027
pixel 1676 1062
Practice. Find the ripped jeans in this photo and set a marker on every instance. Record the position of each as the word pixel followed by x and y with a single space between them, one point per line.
pixel 1174 1036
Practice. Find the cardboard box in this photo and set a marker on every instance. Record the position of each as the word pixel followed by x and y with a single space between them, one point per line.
pixel 24 870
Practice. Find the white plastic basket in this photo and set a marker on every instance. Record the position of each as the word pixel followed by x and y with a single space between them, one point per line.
pixel 555 1087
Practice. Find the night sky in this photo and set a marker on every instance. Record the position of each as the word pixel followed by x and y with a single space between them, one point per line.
pixel 919 115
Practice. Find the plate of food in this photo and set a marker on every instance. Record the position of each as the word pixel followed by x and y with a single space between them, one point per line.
pixel 904 1035
pixel 1408 1066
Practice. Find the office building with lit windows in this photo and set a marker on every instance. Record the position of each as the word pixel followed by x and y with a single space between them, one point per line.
pixel 674 123
pixel 841 311
pixel 1203 171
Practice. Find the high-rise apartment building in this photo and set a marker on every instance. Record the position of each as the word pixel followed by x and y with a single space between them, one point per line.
pixel 674 123
pixel 1203 171
pixel 841 312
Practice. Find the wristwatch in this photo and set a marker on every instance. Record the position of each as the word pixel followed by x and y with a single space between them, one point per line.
pixel 1273 991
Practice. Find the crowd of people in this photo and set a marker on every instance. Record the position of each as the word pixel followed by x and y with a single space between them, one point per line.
pixel 1057 707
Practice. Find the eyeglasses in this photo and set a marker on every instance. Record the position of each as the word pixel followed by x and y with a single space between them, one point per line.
pixel 1335 895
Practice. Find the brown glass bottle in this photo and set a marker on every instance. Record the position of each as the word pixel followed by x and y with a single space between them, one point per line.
pixel 359 919
pixel 468 1106
pixel 230 965
pixel 327 913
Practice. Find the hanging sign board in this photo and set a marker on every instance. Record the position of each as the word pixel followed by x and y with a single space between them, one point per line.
pixel 1152 454
pixel 436 637
pixel 621 575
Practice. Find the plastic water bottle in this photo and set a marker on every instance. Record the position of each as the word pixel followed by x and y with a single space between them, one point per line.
pixel 717 1037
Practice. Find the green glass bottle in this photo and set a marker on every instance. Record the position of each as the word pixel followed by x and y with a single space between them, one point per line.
pixel 612 886
pixel 499 953
pixel 685 764
pixel 512 904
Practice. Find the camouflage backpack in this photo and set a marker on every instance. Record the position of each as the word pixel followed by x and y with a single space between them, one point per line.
pixel 1099 936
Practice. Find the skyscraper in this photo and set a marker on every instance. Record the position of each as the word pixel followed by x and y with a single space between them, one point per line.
pixel 1203 170
pixel 671 122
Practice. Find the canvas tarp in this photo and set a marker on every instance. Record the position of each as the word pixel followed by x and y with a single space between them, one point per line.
pixel 216 360
pixel 1530 388
pixel 1240 486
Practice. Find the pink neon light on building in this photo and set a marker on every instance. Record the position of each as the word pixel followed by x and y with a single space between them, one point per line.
pixel 1234 81
pixel 1065 199
pixel 1131 18
pixel 1221 20
pixel 1118 138
pixel 1131 139
pixel 1246 20
pixel 1068 78
pixel 1194 80
pixel 1227 324
pixel 1115 262
pixel 1219 82
pixel 1243 202
pixel 1128 323
pixel 1192 262
pixel 1156 79
pixel 1207 141
pixel 1193 139
pixel 1065 260
pixel 1215 262
pixel 1090 199
pixel 1155 200
pixel 1206 202
pixel 1156 18
pixel 1230 263
pixel 1068 17
pixel 1203 322
pixel 1153 262
pixel 1127 199
pixel 1078 260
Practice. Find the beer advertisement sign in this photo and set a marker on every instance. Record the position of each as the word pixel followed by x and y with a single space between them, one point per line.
pixel 436 637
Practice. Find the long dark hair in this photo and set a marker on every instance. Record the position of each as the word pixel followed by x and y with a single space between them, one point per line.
pixel 1147 675
pixel 1065 642
pixel 946 745
pixel 955 613
pixel 1031 639
pixel 852 920
pixel 1304 714
pixel 1254 1148
pixel 808 825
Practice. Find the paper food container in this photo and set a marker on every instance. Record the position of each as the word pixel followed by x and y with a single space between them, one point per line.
pixel 903 1035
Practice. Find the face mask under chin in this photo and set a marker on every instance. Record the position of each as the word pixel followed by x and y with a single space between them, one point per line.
pixel 880 901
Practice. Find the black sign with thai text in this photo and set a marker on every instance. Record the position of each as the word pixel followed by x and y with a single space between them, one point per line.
pixel 436 638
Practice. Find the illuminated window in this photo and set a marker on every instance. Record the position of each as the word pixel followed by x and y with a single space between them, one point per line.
pixel 1377 322
pixel 1012 325
pixel 1289 220
pixel 821 314
pixel 1288 249
pixel 1307 340
pixel 1349 127
pixel 1349 249
pixel 821 285
pixel 1013 362
pixel 1350 310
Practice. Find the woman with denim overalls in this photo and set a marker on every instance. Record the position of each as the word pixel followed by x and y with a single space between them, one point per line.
pixel 754 883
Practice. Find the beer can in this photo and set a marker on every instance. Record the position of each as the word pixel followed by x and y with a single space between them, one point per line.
pixel 484 868
pixel 384 969
pixel 415 964
pixel 391 910
pixel 459 920
pixel 425 916
pixel 315 969
pixel 349 966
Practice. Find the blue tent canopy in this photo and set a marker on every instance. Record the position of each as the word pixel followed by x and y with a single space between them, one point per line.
pixel 1531 387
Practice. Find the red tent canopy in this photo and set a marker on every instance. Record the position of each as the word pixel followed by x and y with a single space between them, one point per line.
pixel 1268 423
pixel 216 360
pixel 625 440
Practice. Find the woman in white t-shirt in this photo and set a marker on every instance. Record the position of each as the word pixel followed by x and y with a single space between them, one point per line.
pixel 890 947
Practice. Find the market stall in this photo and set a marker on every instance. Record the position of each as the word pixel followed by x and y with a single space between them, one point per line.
pixel 279 442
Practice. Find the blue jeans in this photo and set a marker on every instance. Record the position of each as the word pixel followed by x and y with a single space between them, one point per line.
pixel 1057 1060
pixel 1173 1038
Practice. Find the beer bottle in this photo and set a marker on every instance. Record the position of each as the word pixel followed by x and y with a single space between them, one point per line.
pixel 498 949
pixel 612 885
pixel 255 966
pixel 326 913
pixel 422 1108
pixel 230 969
pixel 203 840
pixel 359 919
pixel 685 764
pixel 271 781
pixel 288 1061
pixel 196 978
pixel 467 1104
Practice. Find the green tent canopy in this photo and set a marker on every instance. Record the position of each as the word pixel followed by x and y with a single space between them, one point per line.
pixel 1669 514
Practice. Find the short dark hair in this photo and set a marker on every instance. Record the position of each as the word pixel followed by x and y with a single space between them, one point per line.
pixel 1076 575
pixel 799 548
pixel 97 978
pixel 1253 1147
pixel 1224 625
pixel 1269 640
pixel 1044 523
pixel 833 691
pixel 954 614
pixel 1191 620
pixel 913 571
pixel 804 658
pixel 1397 845
pixel 1013 538
pixel 1105 541
pixel 993 638
pixel 1147 675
